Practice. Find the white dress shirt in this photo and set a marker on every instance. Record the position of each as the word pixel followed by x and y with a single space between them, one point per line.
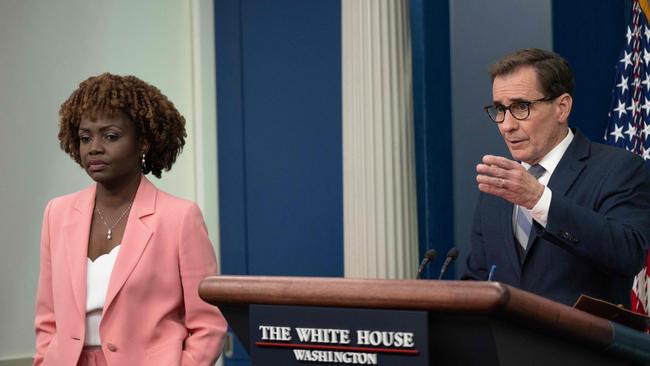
pixel 549 162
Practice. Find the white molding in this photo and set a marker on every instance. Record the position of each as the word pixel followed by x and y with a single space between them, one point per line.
pixel 204 115
pixel 197 101
pixel 380 213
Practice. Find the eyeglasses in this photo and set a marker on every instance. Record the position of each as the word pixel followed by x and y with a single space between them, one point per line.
pixel 519 110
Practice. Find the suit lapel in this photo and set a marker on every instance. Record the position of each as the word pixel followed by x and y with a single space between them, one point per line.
pixel 135 239
pixel 75 236
pixel 567 171
pixel 571 165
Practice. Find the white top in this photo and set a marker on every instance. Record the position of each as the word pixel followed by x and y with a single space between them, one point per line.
pixel 549 162
pixel 98 275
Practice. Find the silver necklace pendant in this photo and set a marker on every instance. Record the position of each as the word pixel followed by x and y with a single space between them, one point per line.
pixel 109 234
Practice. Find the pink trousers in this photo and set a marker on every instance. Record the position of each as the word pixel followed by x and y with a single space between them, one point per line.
pixel 92 357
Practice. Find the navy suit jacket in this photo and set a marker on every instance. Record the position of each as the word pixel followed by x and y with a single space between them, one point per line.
pixel 596 238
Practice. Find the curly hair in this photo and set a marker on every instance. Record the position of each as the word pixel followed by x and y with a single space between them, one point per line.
pixel 156 119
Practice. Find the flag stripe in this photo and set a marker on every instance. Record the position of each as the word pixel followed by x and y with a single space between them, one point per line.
pixel 629 117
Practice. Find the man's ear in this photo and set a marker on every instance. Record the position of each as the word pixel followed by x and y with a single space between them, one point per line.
pixel 565 102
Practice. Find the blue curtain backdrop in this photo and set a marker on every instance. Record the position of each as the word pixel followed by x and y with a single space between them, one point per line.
pixel 433 124
pixel 590 34
pixel 279 139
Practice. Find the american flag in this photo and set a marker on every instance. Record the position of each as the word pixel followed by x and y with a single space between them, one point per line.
pixel 629 116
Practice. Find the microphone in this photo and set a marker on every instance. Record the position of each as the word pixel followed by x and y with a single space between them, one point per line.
pixel 429 256
pixel 452 254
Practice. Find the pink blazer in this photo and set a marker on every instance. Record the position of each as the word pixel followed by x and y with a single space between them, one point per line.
pixel 153 314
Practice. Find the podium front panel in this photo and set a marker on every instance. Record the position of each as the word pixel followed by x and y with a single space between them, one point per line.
pixel 292 335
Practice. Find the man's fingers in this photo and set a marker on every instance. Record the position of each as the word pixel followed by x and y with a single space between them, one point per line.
pixel 500 162
pixel 493 190
pixel 493 181
pixel 491 170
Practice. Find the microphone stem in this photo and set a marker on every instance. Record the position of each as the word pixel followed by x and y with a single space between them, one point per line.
pixel 422 265
pixel 444 267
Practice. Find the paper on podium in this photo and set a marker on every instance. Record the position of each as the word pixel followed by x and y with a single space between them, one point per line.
pixel 609 311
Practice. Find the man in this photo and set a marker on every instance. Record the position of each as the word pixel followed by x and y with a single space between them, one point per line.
pixel 566 216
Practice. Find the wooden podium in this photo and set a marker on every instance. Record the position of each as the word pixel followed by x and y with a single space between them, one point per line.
pixel 469 323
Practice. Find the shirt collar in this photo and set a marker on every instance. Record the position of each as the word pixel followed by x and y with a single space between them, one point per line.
pixel 550 161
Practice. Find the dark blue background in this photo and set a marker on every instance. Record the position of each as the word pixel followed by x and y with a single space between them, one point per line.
pixel 590 35
pixel 279 137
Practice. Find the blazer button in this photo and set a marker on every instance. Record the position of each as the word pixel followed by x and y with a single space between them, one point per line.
pixel 111 347
pixel 568 236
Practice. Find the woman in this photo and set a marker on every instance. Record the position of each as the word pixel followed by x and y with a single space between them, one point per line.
pixel 121 260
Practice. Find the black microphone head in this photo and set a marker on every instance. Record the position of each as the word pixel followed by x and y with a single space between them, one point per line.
pixel 430 255
pixel 453 253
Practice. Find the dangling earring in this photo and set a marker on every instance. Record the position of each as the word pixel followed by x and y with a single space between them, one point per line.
pixel 144 162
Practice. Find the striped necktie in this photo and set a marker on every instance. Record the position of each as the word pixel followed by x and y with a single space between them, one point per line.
pixel 524 218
